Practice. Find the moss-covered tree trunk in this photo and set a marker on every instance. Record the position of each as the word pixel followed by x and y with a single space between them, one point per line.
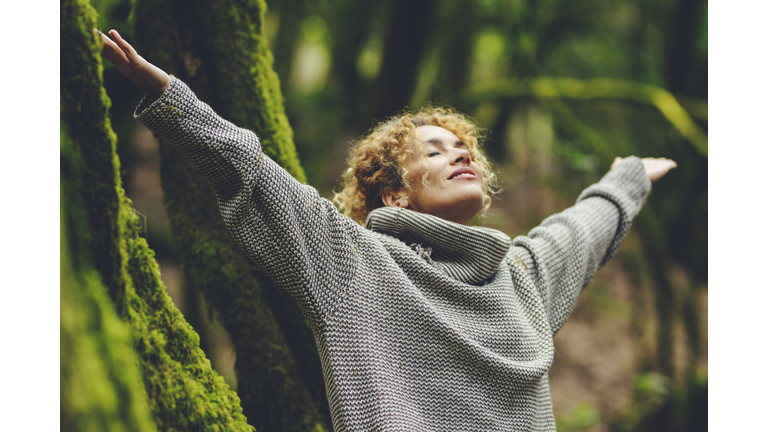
pixel 100 381
pixel 219 49
pixel 183 393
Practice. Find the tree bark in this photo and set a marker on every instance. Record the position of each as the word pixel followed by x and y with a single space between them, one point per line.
pixel 404 46
pixel 100 381
pixel 219 49
pixel 182 391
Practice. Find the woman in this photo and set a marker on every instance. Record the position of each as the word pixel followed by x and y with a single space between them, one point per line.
pixel 422 322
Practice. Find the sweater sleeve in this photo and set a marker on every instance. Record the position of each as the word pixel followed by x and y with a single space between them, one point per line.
pixel 563 254
pixel 303 243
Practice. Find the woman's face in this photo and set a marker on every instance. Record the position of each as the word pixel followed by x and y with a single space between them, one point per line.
pixel 455 181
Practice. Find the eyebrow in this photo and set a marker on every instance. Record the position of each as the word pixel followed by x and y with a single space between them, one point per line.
pixel 440 141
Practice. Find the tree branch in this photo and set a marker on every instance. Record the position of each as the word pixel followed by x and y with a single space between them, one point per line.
pixel 600 88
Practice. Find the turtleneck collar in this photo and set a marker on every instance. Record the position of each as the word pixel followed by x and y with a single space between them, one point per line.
pixel 469 254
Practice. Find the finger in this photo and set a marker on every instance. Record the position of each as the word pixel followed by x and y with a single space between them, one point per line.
pixel 123 44
pixel 660 168
pixel 111 49
pixel 101 35
pixel 108 44
pixel 616 161
pixel 112 52
pixel 105 41
pixel 666 164
pixel 119 41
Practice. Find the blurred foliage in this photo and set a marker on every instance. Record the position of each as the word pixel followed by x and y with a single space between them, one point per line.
pixel 582 418
pixel 563 86
pixel 651 389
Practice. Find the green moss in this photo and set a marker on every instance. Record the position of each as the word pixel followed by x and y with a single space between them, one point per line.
pixel 237 42
pixel 235 76
pixel 84 107
pixel 100 379
pixel 184 393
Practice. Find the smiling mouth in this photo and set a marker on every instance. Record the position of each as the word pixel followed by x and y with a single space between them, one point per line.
pixel 464 173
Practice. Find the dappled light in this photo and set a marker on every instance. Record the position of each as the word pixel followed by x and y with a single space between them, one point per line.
pixel 312 57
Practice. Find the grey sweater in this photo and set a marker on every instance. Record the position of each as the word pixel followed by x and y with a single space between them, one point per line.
pixel 421 324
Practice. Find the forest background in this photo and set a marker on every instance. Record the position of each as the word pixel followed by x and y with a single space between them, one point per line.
pixel 562 86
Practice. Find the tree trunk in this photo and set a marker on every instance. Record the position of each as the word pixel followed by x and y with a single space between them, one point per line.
pixel 404 46
pixel 219 49
pixel 100 381
pixel 183 392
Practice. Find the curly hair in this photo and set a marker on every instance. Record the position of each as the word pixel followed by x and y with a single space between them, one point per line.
pixel 377 162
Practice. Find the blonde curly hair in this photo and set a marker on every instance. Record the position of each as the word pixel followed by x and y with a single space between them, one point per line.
pixel 377 162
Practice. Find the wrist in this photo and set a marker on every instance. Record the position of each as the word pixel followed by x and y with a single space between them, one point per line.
pixel 162 86
pixel 157 81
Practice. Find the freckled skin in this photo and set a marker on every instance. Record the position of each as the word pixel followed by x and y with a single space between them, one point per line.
pixel 455 190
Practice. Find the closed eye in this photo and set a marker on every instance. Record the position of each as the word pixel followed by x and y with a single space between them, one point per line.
pixel 433 154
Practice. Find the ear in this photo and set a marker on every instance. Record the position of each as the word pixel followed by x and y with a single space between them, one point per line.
pixel 395 199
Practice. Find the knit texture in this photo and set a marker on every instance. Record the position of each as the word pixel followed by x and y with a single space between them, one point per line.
pixel 421 324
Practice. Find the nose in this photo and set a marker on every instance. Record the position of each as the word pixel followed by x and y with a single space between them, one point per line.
pixel 463 157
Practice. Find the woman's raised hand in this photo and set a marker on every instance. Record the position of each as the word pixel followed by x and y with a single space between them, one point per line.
pixel 147 76
pixel 655 168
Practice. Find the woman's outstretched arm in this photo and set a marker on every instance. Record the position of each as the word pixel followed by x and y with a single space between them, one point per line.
pixel 303 243
pixel 147 76
pixel 562 254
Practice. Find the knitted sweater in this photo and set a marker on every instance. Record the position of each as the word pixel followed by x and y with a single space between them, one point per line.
pixel 421 324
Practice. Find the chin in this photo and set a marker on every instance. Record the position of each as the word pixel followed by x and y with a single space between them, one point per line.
pixel 478 209
pixel 476 201
pixel 471 206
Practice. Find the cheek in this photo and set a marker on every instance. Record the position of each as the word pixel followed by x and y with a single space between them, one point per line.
pixel 479 170
pixel 427 173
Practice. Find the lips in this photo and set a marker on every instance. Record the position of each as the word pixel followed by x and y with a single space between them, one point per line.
pixel 463 173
